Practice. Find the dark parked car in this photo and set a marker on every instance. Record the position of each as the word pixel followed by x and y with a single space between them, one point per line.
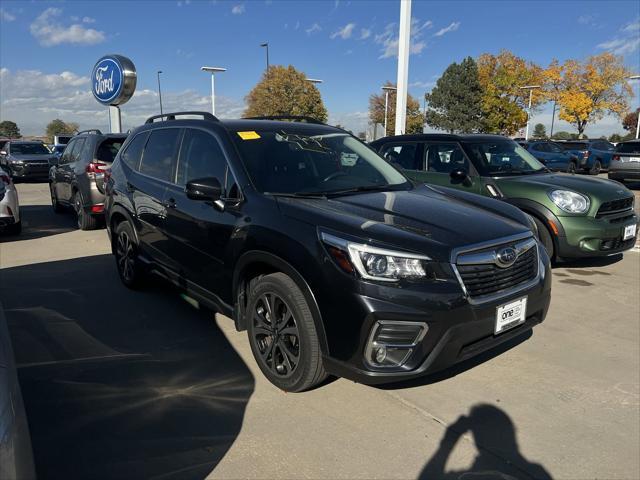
pixel 576 216
pixel 26 160
pixel 58 150
pixel 593 155
pixel 551 155
pixel 330 257
pixel 625 163
pixel 77 179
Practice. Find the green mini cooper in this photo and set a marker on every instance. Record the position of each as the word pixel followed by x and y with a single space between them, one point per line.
pixel 576 216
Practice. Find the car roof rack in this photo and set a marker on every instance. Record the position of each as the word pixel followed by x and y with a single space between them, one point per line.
pixel 91 130
pixel 297 118
pixel 172 116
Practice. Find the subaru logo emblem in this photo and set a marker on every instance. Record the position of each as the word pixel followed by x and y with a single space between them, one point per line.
pixel 505 257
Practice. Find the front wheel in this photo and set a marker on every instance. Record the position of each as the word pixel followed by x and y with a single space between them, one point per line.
pixel 282 333
pixel 125 250
pixel 544 235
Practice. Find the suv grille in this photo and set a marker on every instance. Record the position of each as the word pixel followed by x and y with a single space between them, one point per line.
pixel 488 278
pixel 615 206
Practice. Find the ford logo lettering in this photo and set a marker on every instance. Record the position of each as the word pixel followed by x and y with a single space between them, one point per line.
pixel 113 80
pixel 505 257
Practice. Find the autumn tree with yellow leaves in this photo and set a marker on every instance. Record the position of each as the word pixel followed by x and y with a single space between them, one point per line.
pixel 588 90
pixel 504 102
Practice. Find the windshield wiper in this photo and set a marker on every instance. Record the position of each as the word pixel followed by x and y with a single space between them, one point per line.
pixel 363 188
pixel 298 194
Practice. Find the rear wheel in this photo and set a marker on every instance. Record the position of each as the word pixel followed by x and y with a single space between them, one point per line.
pixel 572 167
pixel 595 170
pixel 86 221
pixel 125 250
pixel 544 235
pixel 282 333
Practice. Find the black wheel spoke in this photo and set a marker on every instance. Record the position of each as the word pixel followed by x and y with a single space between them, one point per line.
pixel 288 353
pixel 290 331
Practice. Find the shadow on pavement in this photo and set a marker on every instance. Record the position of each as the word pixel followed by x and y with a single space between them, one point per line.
pixel 458 368
pixel 494 435
pixel 40 221
pixel 116 383
pixel 590 262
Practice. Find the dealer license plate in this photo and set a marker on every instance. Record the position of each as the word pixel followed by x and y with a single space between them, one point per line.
pixel 629 232
pixel 510 315
pixel 634 159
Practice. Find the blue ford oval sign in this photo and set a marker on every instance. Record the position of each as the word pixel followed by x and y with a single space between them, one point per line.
pixel 113 80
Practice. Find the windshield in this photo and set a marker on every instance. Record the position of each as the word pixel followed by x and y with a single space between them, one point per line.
pixel 29 149
pixel 503 158
pixel 290 162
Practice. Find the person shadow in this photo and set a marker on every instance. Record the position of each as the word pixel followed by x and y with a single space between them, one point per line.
pixel 498 457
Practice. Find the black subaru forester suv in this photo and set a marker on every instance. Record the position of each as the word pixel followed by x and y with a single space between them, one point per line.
pixel 331 259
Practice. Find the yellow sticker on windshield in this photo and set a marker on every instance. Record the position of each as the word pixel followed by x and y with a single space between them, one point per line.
pixel 248 135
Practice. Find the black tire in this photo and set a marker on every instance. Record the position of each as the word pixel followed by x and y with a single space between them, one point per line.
pixel 287 351
pixel 544 235
pixel 572 167
pixel 595 170
pixel 14 228
pixel 86 221
pixel 125 250
pixel 54 200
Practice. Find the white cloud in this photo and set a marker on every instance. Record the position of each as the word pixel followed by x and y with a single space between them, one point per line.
pixel 451 28
pixel 354 121
pixel 627 42
pixel 587 19
pixel 238 9
pixel 419 84
pixel 88 20
pixel 313 29
pixel 365 33
pixel 49 31
pixel 32 99
pixel 389 38
pixel 345 32
pixel 6 16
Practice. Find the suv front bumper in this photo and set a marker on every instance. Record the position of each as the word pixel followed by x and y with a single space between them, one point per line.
pixel 457 329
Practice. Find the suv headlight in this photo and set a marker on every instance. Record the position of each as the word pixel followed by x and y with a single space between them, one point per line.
pixel 570 202
pixel 375 263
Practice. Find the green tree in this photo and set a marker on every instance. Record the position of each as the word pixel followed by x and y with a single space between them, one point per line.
pixel 615 138
pixel 9 129
pixel 539 131
pixel 285 91
pixel 415 118
pixel 504 101
pixel 58 127
pixel 562 135
pixel 455 103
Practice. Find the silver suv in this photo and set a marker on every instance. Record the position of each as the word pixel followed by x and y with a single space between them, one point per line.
pixel 77 179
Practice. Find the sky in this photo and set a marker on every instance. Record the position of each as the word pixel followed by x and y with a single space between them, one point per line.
pixel 47 50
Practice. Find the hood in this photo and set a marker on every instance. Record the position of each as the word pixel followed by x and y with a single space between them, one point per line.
pixel 422 220
pixel 44 157
pixel 598 189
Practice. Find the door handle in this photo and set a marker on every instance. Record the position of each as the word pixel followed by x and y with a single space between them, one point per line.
pixel 171 203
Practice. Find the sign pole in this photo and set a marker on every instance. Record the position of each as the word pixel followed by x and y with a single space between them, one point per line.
pixel 403 66
pixel 115 119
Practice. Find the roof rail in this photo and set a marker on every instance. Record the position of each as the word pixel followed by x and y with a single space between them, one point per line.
pixel 172 116
pixel 91 130
pixel 297 118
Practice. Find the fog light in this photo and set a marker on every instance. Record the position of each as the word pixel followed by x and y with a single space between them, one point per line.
pixel 381 354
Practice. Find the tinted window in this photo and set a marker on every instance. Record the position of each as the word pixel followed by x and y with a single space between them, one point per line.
pixel 160 152
pixel 503 158
pixel 66 156
pixel 131 156
pixel 574 145
pixel 108 149
pixel 28 149
pixel 200 157
pixel 541 147
pixel 631 147
pixel 445 157
pixel 554 147
pixel 77 149
pixel 403 155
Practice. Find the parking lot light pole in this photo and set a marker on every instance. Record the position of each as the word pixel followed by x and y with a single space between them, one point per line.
pixel 213 71
pixel 386 89
pixel 160 91
pixel 266 45
pixel 531 88
pixel 636 77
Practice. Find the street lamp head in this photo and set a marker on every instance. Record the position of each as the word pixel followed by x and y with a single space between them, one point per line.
pixel 313 80
pixel 634 77
pixel 213 69
pixel 159 72
pixel 389 88
pixel 265 44
pixel 530 87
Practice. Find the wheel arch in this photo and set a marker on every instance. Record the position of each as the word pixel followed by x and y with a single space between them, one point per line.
pixel 543 214
pixel 119 214
pixel 257 262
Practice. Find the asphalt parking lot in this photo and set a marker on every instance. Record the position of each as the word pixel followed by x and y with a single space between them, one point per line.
pixel 122 384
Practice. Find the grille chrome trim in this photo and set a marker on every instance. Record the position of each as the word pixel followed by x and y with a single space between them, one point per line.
pixel 523 243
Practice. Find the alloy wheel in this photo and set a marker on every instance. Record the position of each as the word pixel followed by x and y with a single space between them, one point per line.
pixel 125 256
pixel 276 335
pixel 77 205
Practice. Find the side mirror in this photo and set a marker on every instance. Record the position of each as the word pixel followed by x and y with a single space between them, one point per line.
pixel 207 189
pixel 460 175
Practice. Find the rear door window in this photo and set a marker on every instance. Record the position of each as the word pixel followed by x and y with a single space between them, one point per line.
pixel 445 157
pixel 402 154
pixel 132 155
pixel 159 155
